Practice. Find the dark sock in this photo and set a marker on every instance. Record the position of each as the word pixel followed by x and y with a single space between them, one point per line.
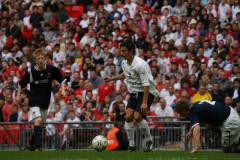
pixel 32 140
pixel 37 136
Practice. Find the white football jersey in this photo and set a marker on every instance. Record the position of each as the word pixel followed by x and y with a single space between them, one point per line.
pixel 138 75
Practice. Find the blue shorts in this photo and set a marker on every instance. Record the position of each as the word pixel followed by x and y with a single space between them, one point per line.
pixel 135 101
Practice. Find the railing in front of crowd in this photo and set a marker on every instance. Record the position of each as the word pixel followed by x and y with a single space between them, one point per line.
pixel 167 133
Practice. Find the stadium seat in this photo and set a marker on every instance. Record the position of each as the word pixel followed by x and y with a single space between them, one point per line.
pixel 68 8
pixel 95 2
pixel 77 12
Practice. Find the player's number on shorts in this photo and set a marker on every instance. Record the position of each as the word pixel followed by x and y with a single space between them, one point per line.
pixel 209 102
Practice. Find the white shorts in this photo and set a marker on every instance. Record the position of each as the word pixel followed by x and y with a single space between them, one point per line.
pixel 231 129
pixel 36 112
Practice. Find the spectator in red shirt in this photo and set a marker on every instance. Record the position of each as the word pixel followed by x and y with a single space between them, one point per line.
pixel 186 86
pixel 7 108
pixel 103 90
pixel 1 109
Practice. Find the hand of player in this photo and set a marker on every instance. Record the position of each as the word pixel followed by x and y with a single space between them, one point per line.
pixel 107 79
pixel 144 108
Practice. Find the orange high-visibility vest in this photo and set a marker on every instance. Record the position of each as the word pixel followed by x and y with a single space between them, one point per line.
pixel 112 139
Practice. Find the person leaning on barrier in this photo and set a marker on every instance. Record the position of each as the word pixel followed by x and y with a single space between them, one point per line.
pixel 216 116
pixel 117 138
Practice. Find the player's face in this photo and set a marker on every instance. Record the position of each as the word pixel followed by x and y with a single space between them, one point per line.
pixel 40 61
pixel 125 52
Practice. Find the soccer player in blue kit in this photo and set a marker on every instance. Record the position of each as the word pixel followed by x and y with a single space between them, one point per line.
pixel 214 115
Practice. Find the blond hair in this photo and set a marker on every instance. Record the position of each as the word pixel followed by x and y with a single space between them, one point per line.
pixel 38 52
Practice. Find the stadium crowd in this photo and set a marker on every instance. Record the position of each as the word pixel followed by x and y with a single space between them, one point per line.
pixel 193 48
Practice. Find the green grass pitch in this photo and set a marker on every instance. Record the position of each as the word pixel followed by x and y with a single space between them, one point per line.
pixel 115 155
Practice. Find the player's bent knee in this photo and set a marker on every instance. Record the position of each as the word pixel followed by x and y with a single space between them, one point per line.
pixel 129 115
pixel 138 119
pixel 129 118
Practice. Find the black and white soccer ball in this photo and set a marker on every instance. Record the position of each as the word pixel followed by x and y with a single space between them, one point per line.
pixel 99 143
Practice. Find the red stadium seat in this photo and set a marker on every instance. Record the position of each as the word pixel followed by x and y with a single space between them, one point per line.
pixel 74 14
pixel 77 12
pixel 68 8
pixel 79 9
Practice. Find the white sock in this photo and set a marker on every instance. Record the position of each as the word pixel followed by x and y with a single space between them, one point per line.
pixel 144 129
pixel 130 129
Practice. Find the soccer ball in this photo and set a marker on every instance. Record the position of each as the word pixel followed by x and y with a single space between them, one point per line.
pixel 99 143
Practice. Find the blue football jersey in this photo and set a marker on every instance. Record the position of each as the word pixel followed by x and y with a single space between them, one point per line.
pixel 210 112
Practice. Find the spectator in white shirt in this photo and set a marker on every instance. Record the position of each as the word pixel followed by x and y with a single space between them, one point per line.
pixel 211 8
pixel 223 7
pixel 84 22
pixel 163 19
pixel 119 6
pixel 207 50
pixel 179 9
pixel 214 58
pixel 235 9
pixel 164 110
pixel 171 97
pixel 3 40
pixel 107 6
pixel 5 55
pixel 50 130
pixel 132 7
pixel 166 5
pixel 68 128
pixel 58 56
pixel 154 105
pixel 92 11
pixel 165 92
pixel 26 19
pixel 89 39
pixel 58 114
pixel 117 19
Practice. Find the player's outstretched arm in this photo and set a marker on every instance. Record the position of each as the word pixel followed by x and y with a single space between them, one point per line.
pixel 118 77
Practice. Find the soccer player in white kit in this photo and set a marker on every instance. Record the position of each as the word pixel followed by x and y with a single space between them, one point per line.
pixel 140 84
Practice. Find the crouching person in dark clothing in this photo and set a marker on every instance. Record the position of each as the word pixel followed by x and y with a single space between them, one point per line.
pixel 117 138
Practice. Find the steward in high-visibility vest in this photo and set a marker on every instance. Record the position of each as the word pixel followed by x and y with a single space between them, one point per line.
pixel 113 143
